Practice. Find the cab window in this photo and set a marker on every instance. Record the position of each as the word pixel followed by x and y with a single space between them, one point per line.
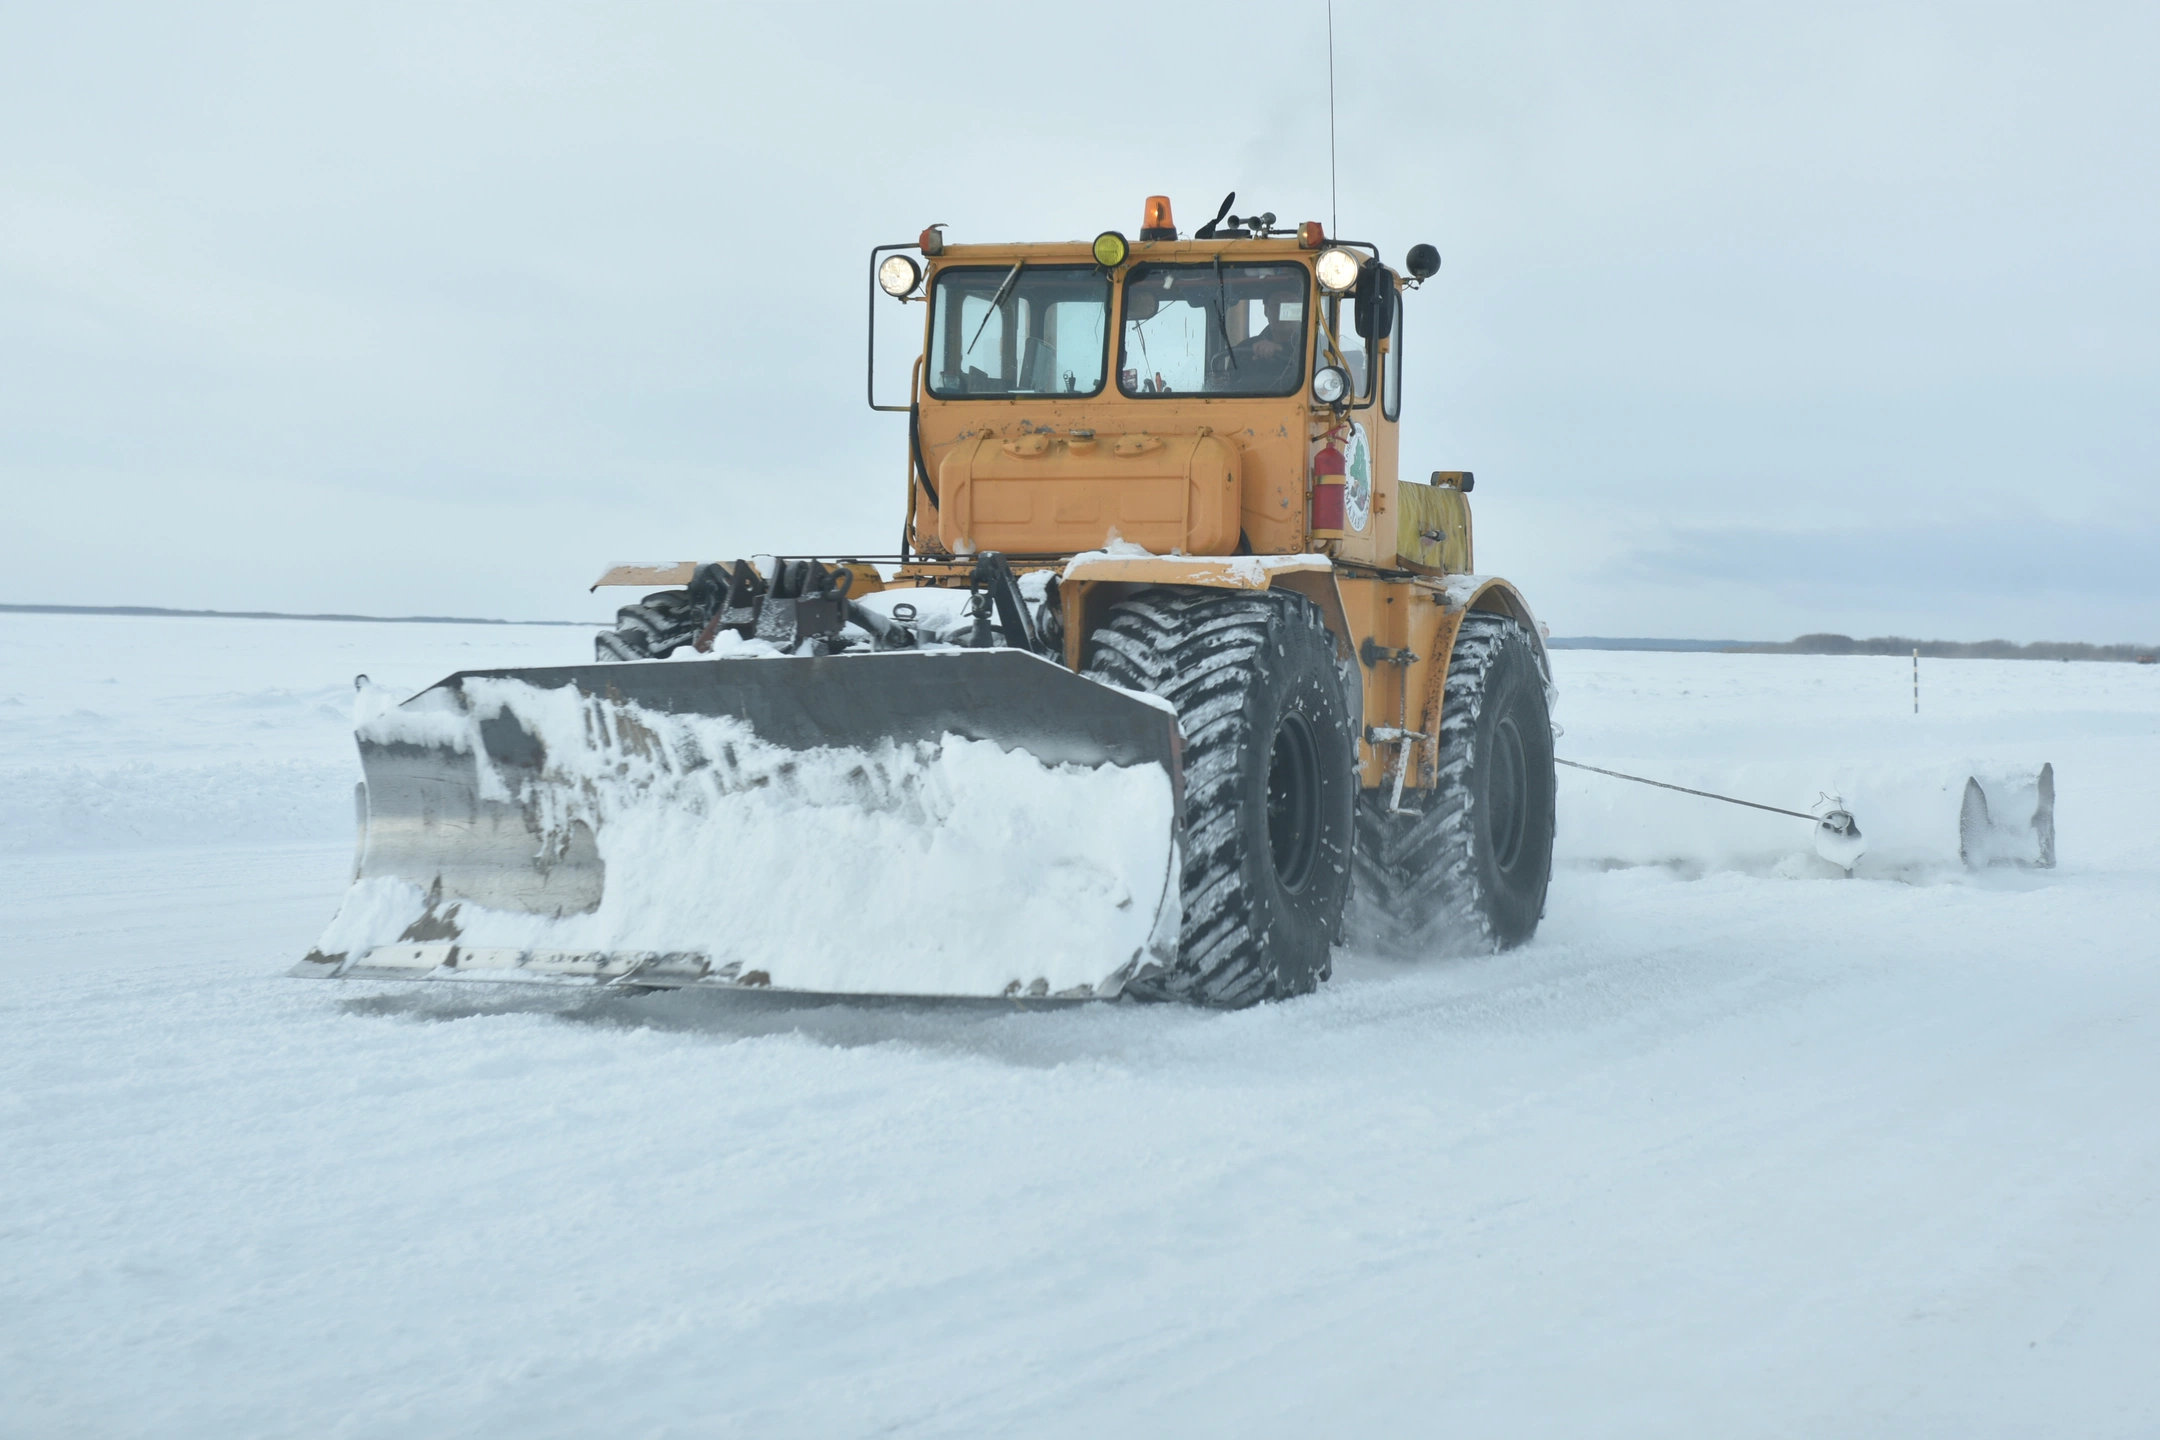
pixel 1213 328
pixel 1391 367
pixel 1340 344
pixel 1001 331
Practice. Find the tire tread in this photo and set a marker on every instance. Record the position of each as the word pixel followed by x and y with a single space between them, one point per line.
pixel 1418 877
pixel 1205 651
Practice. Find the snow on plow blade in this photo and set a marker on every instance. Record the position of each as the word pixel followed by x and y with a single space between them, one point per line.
pixel 967 823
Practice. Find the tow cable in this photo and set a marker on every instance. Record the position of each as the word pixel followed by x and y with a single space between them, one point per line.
pixel 1837 834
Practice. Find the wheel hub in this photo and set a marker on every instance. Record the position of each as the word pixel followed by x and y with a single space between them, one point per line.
pixel 1506 790
pixel 1293 802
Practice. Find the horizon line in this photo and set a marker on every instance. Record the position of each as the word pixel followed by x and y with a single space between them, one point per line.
pixel 167 612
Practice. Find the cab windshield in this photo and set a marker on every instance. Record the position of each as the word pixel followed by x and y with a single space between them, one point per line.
pixel 1213 328
pixel 1009 330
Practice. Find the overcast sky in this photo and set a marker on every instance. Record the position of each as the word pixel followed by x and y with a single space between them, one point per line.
pixel 1753 321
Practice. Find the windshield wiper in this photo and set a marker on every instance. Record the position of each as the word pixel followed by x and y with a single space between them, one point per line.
pixel 996 300
pixel 1222 303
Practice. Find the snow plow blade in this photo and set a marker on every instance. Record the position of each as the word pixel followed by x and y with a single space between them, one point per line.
pixel 965 823
pixel 2008 820
pixel 1972 815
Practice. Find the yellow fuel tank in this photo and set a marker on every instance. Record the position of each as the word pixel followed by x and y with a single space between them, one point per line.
pixel 1041 493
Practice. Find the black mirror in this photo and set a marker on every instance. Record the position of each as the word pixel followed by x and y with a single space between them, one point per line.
pixel 1375 312
pixel 1423 262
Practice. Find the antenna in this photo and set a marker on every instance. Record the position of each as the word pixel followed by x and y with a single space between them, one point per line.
pixel 1331 225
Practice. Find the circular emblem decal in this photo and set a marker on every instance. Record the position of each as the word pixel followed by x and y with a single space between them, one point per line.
pixel 1357 479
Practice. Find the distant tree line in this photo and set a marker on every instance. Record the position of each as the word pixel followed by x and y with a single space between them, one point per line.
pixel 1958 650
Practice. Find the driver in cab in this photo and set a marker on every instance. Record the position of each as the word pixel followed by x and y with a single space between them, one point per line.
pixel 1267 362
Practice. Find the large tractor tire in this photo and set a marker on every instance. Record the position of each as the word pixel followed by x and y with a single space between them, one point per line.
pixel 1467 873
pixel 1270 782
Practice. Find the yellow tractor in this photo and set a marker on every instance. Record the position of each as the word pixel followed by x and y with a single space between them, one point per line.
pixel 1172 682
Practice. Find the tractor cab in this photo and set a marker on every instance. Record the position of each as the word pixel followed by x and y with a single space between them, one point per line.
pixel 1235 392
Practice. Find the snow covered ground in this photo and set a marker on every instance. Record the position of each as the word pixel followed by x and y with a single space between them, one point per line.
pixel 1734 1148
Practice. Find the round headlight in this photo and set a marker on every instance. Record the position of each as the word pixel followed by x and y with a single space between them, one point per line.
pixel 1330 385
pixel 1111 249
pixel 899 276
pixel 1337 269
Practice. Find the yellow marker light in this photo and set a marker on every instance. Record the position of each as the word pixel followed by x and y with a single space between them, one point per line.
pixel 1337 269
pixel 1110 249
